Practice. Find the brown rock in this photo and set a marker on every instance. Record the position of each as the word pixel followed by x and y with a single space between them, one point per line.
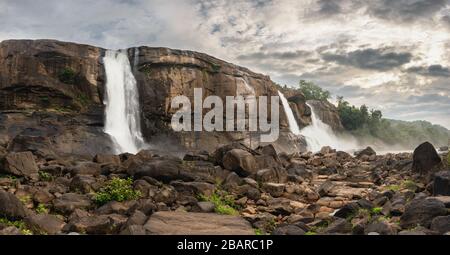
pixel 21 164
pixel 240 161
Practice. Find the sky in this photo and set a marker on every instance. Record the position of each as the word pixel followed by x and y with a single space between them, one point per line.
pixel 392 55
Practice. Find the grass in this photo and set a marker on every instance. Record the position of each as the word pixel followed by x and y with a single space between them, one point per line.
pixel 410 185
pixel 25 199
pixel 42 209
pixel 44 176
pixel 116 189
pixel 259 232
pixel 18 224
pixel 376 211
pixel 223 202
pixel 310 233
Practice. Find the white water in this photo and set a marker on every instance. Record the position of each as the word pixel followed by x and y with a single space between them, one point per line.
pixel 122 104
pixel 293 126
pixel 319 134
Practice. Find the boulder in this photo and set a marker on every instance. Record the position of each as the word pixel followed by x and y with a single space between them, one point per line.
pixel 441 183
pixel 161 169
pixel 96 224
pixel 325 188
pixel 10 206
pixel 71 201
pixel 278 175
pixel 425 158
pixel 422 212
pixel 341 226
pixel 10 231
pixel 365 152
pixel 181 223
pixel 441 224
pixel 135 230
pixel 86 168
pixel 240 161
pixel 380 227
pixel 288 230
pixel 274 189
pixel 44 224
pixel 21 164
pixel 107 159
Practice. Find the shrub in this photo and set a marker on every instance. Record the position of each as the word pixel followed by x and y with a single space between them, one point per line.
pixel 116 189
pixel 44 176
pixel 223 202
pixel 313 92
pixel 67 76
pixel 41 209
pixel 376 210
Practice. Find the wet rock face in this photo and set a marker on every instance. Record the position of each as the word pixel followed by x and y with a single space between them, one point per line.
pixel 328 113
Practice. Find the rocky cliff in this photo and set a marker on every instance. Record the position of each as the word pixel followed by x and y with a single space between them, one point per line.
pixel 328 113
pixel 53 91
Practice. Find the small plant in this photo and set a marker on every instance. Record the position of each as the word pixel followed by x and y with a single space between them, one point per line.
pixel 18 224
pixel 44 176
pixel 41 209
pixel 310 233
pixel 67 76
pixel 117 189
pixel 223 202
pixel 410 185
pixel 259 232
pixel 393 187
pixel 8 176
pixel 376 210
pixel 25 199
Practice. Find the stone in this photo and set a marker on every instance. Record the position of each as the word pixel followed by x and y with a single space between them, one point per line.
pixel 107 159
pixel 166 194
pixel 425 158
pixel 274 189
pixel 86 168
pixel 341 226
pixel 181 223
pixel 443 199
pixel 240 161
pixel 82 183
pixel 278 175
pixel 10 206
pixel 288 230
pixel 422 212
pixel 42 196
pixel 441 183
pixel 137 218
pixel 366 152
pixel 441 224
pixel 347 210
pixel 45 224
pixel 165 169
pixel 68 202
pixel 114 207
pixel 206 207
pixel 325 188
pixel 380 227
pixel 10 231
pixel 134 230
pixel 96 224
pixel 21 164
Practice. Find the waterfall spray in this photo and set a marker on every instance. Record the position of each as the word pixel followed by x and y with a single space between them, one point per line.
pixel 122 104
pixel 293 126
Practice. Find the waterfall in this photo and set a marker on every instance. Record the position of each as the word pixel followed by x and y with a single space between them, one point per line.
pixel 319 134
pixel 122 103
pixel 293 126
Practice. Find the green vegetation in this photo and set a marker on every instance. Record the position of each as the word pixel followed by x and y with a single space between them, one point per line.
pixel 369 126
pixel 376 210
pixel 18 224
pixel 259 232
pixel 410 185
pixel 393 187
pixel 44 176
pixel 223 202
pixel 216 68
pixel 67 75
pixel 310 233
pixel 25 199
pixel 42 209
pixel 116 189
pixel 448 159
pixel 313 92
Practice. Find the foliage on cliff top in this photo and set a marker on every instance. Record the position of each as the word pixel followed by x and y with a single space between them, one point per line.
pixel 312 91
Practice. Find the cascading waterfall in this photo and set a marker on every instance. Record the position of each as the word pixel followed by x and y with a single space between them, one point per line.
pixel 293 126
pixel 319 134
pixel 122 103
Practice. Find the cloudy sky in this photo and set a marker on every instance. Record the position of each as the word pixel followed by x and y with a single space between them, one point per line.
pixel 392 55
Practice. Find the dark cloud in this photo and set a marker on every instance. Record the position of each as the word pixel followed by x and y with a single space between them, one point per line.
pixel 276 55
pixel 329 7
pixel 404 10
pixel 375 59
pixel 433 70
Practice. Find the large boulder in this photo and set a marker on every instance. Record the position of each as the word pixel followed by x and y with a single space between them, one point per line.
pixel 165 169
pixel 45 224
pixel 180 223
pixel 366 152
pixel 422 212
pixel 10 206
pixel 441 183
pixel 441 224
pixel 240 161
pixel 21 164
pixel 425 158
pixel 68 202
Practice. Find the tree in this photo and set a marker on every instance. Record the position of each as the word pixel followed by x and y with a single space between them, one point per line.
pixel 313 92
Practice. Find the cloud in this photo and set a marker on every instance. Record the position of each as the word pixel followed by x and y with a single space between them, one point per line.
pixel 404 10
pixel 288 55
pixel 433 70
pixel 377 59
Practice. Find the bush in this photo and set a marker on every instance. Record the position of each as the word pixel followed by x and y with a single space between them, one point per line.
pixel 223 202
pixel 44 176
pixel 41 209
pixel 117 189
pixel 313 92
pixel 67 76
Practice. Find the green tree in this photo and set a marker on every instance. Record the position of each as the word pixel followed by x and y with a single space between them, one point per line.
pixel 312 91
